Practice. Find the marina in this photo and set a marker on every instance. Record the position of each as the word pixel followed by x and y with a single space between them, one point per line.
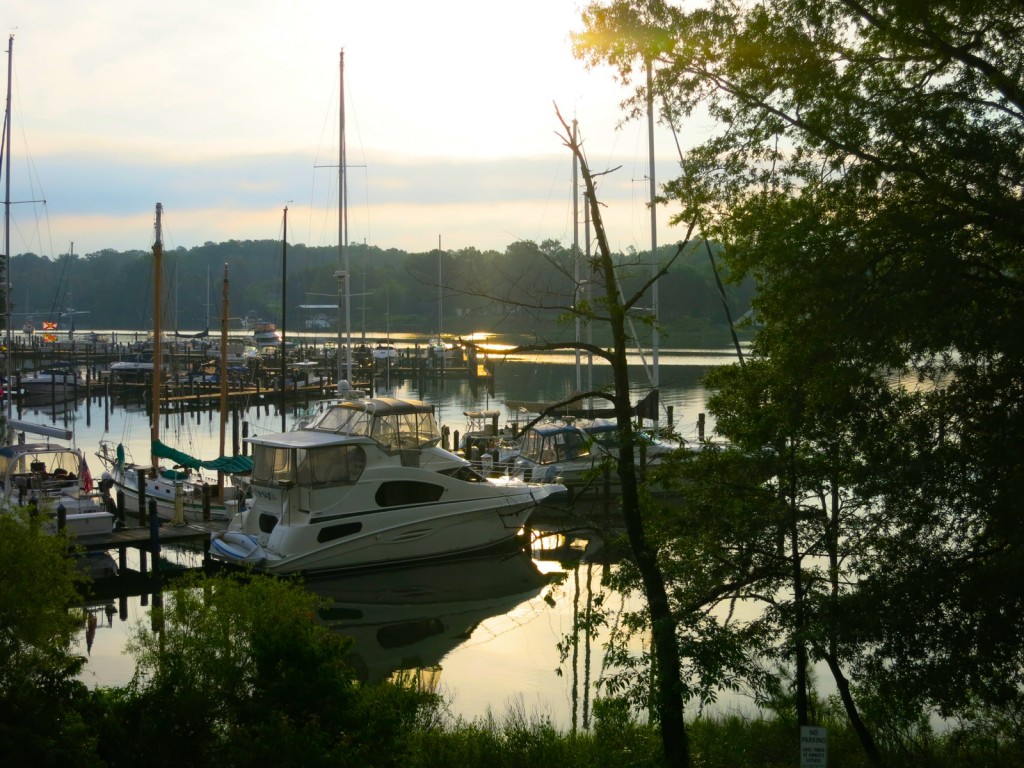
pixel 444 622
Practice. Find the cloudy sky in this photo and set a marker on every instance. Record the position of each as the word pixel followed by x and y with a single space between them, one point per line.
pixel 227 111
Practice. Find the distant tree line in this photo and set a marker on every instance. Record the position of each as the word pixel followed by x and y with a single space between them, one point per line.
pixel 390 289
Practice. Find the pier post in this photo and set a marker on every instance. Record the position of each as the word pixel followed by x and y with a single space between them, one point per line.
pixel 154 532
pixel 700 426
pixel 140 483
pixel 207 492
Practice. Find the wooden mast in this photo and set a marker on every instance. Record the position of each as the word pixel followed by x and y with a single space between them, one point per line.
pixel 158 252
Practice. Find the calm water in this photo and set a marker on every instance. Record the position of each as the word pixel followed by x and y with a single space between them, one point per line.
pixel 485 632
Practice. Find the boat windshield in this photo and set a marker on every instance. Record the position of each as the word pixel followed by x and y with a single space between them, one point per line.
pixel 311 467
pixel 548 447
pixel 394 430
pixel 47 463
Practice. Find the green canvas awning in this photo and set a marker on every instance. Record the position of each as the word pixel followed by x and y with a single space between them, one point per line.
pixel 231 465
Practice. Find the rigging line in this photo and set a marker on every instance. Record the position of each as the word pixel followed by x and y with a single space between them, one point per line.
pixel 711 257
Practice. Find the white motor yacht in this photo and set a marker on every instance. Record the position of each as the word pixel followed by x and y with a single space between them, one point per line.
pixel 366 483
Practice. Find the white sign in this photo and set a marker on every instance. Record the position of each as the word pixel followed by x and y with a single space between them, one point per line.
pixel 813 747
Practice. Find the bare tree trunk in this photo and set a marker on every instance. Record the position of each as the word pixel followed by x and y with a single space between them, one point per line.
pixel 668 666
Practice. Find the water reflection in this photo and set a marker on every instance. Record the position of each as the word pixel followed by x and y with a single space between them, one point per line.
pixel 407 619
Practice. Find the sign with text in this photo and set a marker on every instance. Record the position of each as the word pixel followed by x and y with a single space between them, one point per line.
pixel 813 747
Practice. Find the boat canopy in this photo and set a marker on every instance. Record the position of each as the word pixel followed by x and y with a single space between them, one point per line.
pixel 550 442
pixel 394 424
pixel 232 465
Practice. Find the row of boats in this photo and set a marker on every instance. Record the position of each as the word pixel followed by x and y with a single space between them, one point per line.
pixel 364 481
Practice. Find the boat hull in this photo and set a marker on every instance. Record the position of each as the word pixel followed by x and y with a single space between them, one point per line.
pixel 165 494
pixel 378 537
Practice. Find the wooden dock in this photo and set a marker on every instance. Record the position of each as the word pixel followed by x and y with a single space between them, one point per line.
pixel 148 540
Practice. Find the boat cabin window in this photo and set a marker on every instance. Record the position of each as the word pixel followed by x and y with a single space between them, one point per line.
pixel 328 465
pixel 271 466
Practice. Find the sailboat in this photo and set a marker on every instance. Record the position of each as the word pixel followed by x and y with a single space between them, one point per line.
pixel 48 478
pixel 179 493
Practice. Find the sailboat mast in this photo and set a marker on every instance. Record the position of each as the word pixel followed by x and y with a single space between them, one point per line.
pixel 223 377
pixel 158 254
pixel 654 226
pixel 343 224
pixel 284 314
pixel 576 254
pixel 7 224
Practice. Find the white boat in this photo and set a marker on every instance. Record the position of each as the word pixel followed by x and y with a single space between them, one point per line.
pixel 366 483
pixel 42 477
pixel 266 335
pixel 554 451
pixel 318 323
pixel 59 382
pixel 575 453
pixel 46 477
pixel 178 491
pixel 385 352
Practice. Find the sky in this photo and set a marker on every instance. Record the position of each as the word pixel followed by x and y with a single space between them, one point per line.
pixel 227 112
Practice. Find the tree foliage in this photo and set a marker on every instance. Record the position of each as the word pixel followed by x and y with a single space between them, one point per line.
pixel 865 168
pixel 389 288
pixel 41 701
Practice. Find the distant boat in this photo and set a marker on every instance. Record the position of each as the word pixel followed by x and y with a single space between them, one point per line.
pixel 63 383
pixel 28 329
pixel 318 323
pixel 266 335
pixel 385 352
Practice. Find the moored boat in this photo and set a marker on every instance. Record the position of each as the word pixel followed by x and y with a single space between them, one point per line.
pixel 60 382
pixel 48 477
pixel 366 483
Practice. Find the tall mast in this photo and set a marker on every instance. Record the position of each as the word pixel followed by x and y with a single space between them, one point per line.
pixel 7 223
pixel 158 357
pixel 284 316
pixel 576 254
pixel 343 226
pixel 654 228
pixel 223 375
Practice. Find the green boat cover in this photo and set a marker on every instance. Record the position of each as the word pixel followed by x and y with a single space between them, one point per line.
pixel 231 465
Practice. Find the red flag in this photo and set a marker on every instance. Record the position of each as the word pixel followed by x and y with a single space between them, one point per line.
pixel 86 476
pixel 49 338
pixel 49 326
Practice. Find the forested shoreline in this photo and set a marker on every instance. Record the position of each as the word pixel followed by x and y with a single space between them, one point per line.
pixel 390 288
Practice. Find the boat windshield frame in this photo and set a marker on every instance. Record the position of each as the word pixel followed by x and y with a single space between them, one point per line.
pixel 549 445
pixel 395 425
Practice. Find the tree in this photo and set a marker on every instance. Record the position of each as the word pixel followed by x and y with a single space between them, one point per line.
pixel 520 285
pixel 866 170
pixel 42 704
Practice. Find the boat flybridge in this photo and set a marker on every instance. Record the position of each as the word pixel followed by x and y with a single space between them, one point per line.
pixel 366 483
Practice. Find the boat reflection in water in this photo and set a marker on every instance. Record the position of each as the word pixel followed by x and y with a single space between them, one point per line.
pixel 406 620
